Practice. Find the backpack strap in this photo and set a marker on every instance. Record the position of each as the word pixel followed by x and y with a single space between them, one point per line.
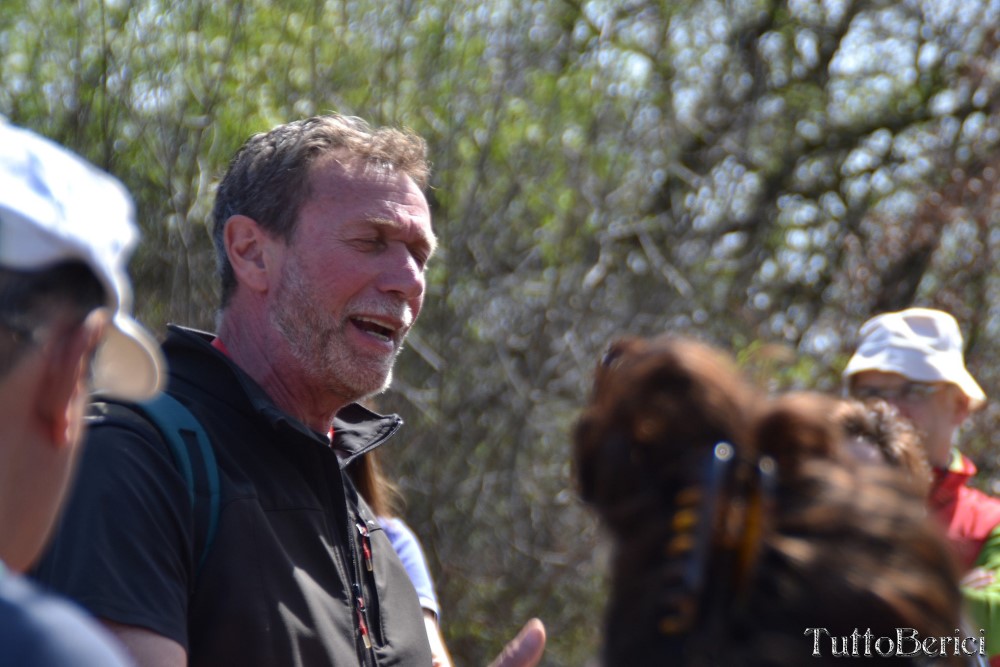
pixel 195 460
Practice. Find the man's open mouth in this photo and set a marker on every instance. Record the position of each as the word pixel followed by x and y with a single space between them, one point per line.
pixel 374 328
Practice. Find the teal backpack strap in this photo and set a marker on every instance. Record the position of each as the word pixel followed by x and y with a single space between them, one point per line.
pixel 195 460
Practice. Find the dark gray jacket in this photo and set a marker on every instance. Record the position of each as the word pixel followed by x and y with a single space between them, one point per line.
pixel 287 580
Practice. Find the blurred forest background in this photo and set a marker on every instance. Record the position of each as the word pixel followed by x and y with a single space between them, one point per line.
pixel 762 174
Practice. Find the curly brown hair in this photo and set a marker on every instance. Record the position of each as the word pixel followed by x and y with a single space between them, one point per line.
pixel 895 440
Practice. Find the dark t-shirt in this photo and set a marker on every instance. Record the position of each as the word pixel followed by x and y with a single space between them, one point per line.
pixel 282 582
pixel 41 630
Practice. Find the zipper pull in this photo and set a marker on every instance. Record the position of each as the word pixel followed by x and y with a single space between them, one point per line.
pixel 362 624
pixel 363 628
pixel 366 544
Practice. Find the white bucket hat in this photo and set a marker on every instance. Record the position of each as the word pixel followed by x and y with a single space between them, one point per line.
pixel 921 344
pixel 54 207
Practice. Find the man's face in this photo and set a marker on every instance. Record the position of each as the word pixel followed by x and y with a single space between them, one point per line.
pixel 935 409
pixel 50 399
pixel 352 279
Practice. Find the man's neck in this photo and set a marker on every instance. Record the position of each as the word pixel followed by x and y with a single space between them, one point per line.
pixel 263 354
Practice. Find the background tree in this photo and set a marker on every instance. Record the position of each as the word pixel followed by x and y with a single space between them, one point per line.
pixel 762 174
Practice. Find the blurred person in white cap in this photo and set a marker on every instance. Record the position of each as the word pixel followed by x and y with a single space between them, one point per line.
pixel 914 360
pixel 66 231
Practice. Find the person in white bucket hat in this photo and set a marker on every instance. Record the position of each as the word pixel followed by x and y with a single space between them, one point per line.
pixel 56 208
pixel 66 231
pixel 914 360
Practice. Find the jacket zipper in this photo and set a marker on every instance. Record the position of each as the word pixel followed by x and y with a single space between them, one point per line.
pixel 368 656
pixel 366 544
pixel 362 625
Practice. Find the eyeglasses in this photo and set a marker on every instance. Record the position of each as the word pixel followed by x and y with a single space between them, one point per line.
pixel 908 392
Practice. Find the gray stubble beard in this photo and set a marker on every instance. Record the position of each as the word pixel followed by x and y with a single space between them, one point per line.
pixel 311 338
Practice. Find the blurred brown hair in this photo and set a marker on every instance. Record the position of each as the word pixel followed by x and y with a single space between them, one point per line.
pixel 381 494
pixel 737 524
pixel 893 437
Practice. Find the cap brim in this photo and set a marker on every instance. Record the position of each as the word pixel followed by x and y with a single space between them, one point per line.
pixel 917 367
pixel 129 364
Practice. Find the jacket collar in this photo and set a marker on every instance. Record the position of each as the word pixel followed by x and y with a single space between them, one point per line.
pixel 191 355
pixel 948 481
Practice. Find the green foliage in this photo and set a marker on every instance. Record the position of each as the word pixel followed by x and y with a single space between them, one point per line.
pixel 763 175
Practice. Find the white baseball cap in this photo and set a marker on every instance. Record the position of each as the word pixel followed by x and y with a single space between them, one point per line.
pixel 921 344
pixel 54 207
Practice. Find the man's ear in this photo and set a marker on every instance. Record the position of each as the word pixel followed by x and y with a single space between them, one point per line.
pixel 63 387
pixel 249 248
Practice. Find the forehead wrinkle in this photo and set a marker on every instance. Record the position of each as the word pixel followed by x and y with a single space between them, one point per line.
pixel 429 241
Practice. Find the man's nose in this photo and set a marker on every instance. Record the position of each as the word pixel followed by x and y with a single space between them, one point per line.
pixel 402 273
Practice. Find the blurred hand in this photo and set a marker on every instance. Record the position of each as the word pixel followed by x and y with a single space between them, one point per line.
pixel 978 577
pixel 524 650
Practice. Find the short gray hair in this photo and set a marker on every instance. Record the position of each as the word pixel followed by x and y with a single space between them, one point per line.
pixel 268 178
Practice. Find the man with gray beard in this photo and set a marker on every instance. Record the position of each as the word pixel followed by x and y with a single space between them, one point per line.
pixel 323 235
